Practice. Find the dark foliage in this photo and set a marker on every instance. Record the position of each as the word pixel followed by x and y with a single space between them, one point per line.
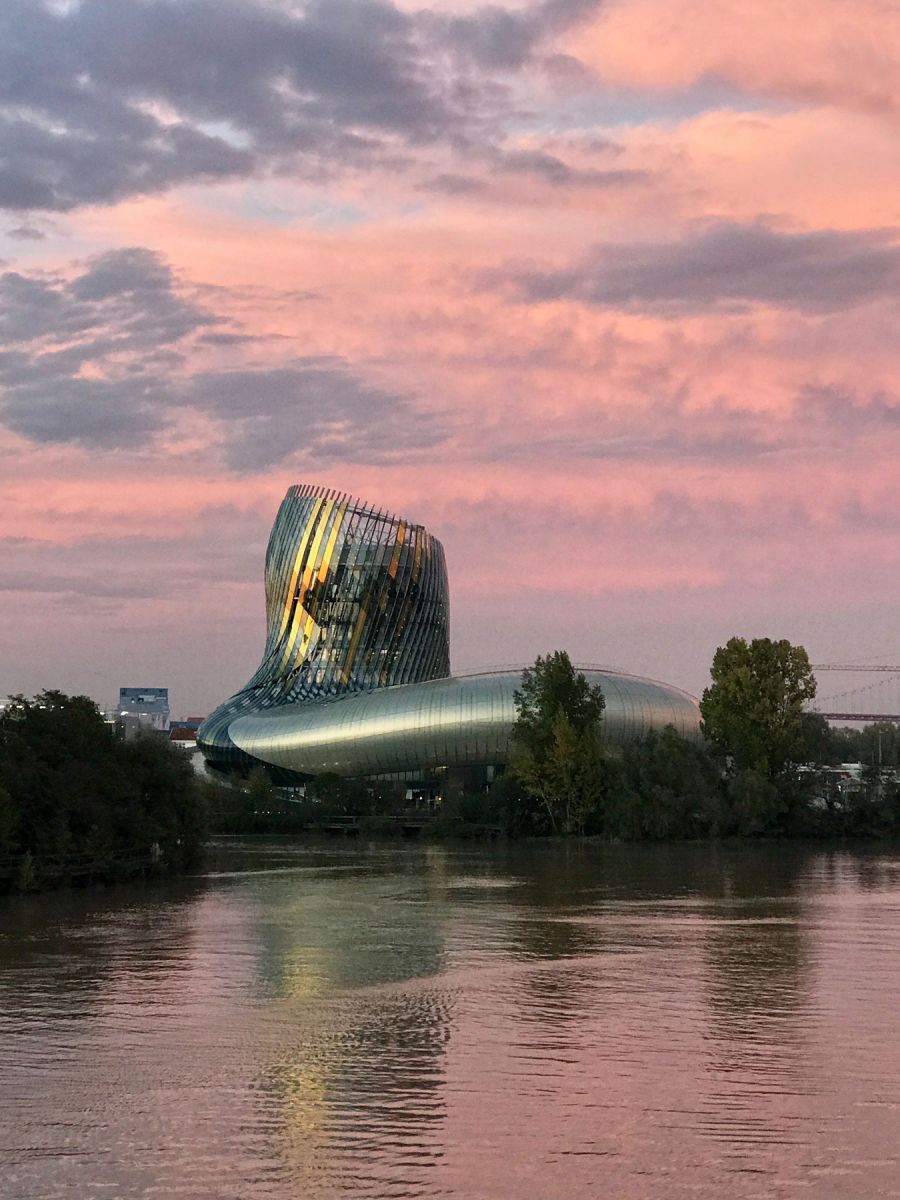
pixel 79 803
pixel 766 767
pixel 668 787
pixel 257 806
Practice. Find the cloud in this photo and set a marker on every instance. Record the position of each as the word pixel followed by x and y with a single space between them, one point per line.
pixel 92 413
pixel 26 233
pixel 686 431
pixel 130 99
pixel 314 407
pixel 446 183
pixel 80 354
pixel 552 169
pixel 102 157
pixel 99 359
pixel 124 298
pixel 727 265
pixel 807 50
pixel 845 413
pixel 509 38
pixel 218 547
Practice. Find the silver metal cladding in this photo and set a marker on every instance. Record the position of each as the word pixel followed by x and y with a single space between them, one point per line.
pixel 461 721
pixel 355 674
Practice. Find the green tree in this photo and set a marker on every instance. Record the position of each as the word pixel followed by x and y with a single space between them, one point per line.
pixel 556 751
pixel 754 804
pixel 76 801
pixel 669 788
pixel 879 745
pixel 753 711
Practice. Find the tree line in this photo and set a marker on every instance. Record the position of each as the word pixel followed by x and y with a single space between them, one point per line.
pixel 80 803
pixel 763 766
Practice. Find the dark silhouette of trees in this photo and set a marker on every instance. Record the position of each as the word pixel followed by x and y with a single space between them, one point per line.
pixel 668 787
pixel 79 802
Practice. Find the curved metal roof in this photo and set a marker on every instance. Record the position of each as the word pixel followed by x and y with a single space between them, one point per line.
pixel 457 721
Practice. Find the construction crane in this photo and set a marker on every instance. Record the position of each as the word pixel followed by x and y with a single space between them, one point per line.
pixel 852 667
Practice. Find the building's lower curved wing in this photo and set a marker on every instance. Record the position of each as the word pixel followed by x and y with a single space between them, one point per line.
pixel 460 721
pixel 355 674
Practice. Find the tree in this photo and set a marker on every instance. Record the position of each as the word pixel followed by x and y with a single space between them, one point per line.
pixel 337 795
pixel 753 711
pixel 669 788
pixel 556 741
pixel 74 797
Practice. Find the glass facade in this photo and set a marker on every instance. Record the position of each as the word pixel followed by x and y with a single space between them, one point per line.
pixel 356 599
pixel 355 676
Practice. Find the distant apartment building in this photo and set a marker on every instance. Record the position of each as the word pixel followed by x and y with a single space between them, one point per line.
pixel 143 708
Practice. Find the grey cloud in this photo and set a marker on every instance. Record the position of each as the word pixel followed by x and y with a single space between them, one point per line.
pixel 538 163
pixel 449 184
pixel 509 38
pixel 822 419
pixel 123 315
pixel 227 339
pixel 725 265
pixel 223 546
pixel 716 436
pixel 126 296
pixel 122 99
pixel 556 171
pixel 845 412
pixel 96 413
pixel 44 168
pixel 98 359
pixel 26 233
pixel 123 272
pixel 316 407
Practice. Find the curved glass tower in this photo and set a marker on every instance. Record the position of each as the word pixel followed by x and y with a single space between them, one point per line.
pixel 355 676
pixel 356 599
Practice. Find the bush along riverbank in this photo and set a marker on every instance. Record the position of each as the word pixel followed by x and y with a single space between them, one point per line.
pixel 79 804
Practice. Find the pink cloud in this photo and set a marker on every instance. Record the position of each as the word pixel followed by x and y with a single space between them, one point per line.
pixel 807 50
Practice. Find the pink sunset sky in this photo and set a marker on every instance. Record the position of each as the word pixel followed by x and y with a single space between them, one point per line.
pixel 603 294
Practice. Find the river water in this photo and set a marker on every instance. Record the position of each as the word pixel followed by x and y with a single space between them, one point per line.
pixel 532 1021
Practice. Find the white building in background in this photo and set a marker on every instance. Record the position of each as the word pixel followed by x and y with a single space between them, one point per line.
pixel 143 708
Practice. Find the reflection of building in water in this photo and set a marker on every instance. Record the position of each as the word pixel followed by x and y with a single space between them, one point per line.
pixel 366 1091
pixel 342 931
pixel 361 1087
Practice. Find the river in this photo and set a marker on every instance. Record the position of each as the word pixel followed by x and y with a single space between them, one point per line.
pixel 504 1022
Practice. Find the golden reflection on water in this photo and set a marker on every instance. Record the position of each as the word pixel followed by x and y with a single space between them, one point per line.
pixel 303 972
pixel 302 1091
